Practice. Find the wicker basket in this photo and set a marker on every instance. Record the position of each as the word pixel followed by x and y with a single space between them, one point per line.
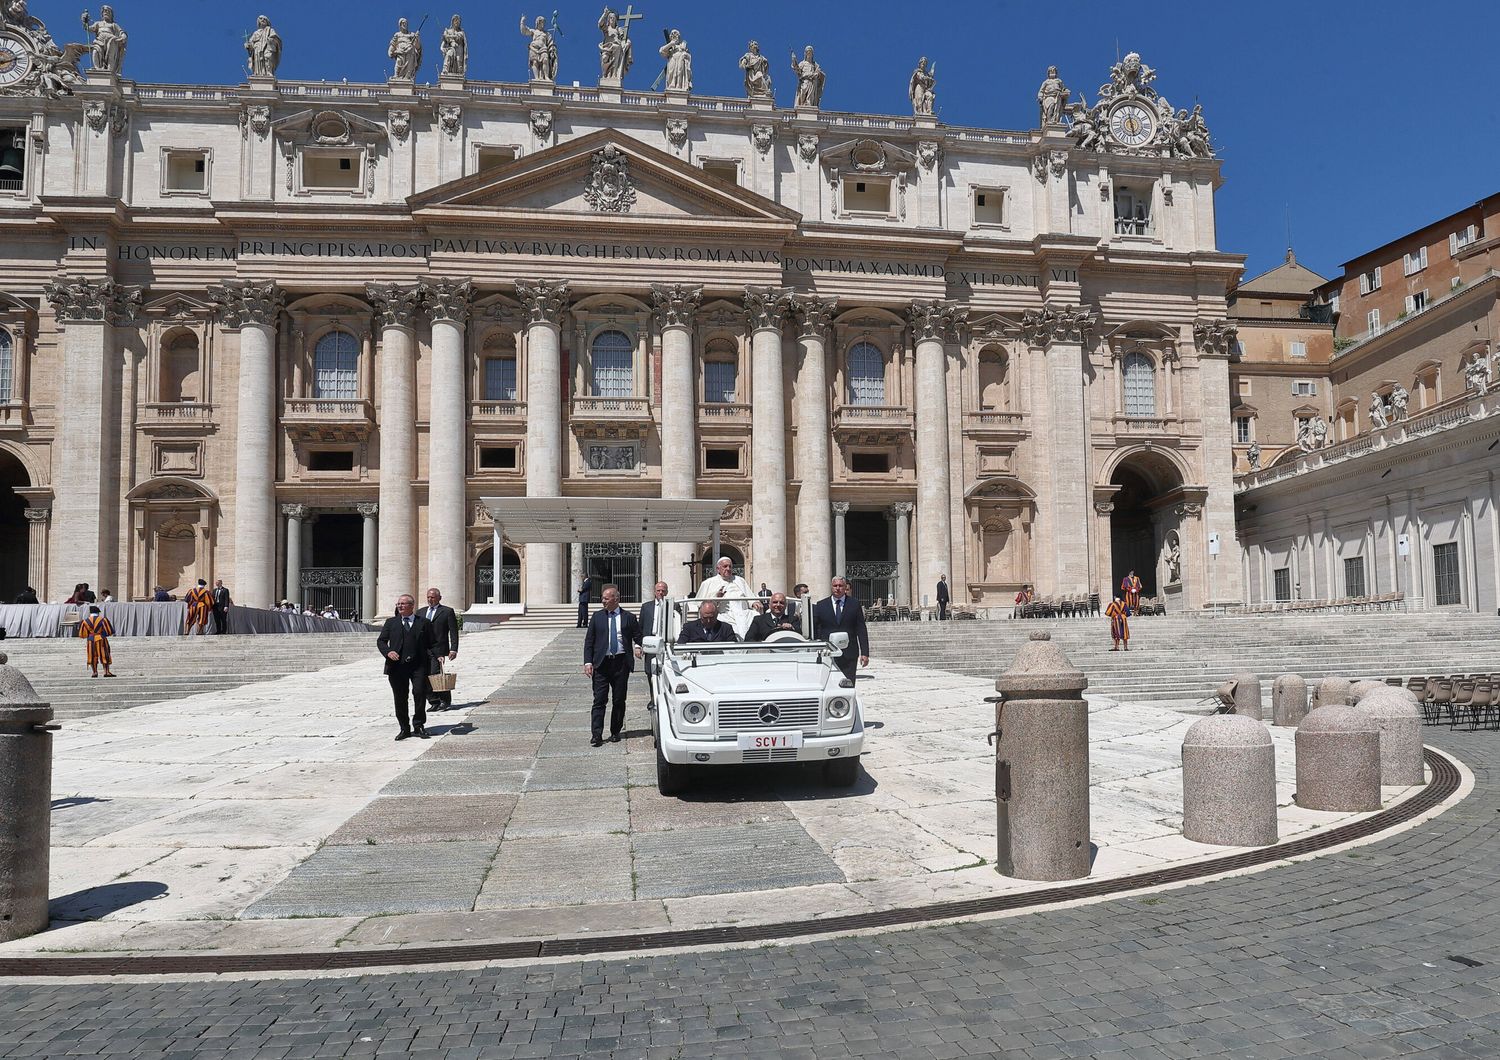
pixel 444 680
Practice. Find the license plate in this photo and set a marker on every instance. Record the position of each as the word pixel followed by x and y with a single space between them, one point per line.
pixel 769 741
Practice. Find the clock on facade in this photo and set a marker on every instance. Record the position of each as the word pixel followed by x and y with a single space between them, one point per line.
pixel 1132 124
pixel 15 60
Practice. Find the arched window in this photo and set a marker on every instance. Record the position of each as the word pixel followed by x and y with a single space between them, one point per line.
pixel 612 356
pixel 992 378
pixel 180 379
pixel 866 374
pixel 7 367
pixel 1140 385
pixel 336 367
pixel 721 373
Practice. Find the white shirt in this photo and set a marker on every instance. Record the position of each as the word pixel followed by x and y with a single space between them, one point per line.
pixel 740 615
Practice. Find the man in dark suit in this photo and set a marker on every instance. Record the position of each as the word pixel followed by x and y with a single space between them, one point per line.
pixel 648 626
pixel 219 603
pixel 764 593
pixel 842 613
pixel 583 600
pixel 608 658
pixel 942 596
pixel 708 629
pixel 444 623
pixel 406 643
pixel 774 620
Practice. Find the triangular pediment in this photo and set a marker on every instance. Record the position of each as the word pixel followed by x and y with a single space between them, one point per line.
pixel 607 176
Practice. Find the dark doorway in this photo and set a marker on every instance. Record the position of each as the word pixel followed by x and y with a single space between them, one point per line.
pixel 14 536
pixel 869 555
pixel 510 577
pixel 333 573
pixel 616 563
pixel 1136 529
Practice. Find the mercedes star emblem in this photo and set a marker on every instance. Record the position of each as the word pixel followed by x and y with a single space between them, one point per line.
pixel 770 713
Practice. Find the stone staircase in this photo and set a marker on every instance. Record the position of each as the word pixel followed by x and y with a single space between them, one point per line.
pixel 152 669
pixel 1186 656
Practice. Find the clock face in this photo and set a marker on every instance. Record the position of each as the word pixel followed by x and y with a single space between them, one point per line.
pixel 15 60
pixel 1131 124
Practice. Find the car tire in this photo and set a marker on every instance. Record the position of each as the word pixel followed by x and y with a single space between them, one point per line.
pixel 842 772
pixel 670 779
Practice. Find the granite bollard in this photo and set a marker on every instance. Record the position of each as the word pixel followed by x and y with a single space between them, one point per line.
pixel 1362 688
pixel 1288 700
pixel 1395 713
pixel 1042 766
pixel 1338 760
pixel 25 805
pixel 1229 782
pixel 1247 696
pixel 1331 691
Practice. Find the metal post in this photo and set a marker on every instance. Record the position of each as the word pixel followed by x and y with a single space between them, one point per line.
pixel 497 563
pixel 716 542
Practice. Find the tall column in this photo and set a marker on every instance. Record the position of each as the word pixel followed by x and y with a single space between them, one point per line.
pixel 36 552
pixel 396 314
pixel 766 308
pixel 447 450
pixel 497 564
pixel 932 323
pixel 676 306
pixel 295 514
pixel 1063 332
pixel 648 570
pixel 544 302
pixel 575 568
pixel 86 479
pixel 840 509
pixel 815 563
pixel 368 510
pixel 1215 341
pixel 253 308
pixel 901 511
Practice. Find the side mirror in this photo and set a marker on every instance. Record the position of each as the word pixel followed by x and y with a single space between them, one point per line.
pixel 839 640
pixel 651 645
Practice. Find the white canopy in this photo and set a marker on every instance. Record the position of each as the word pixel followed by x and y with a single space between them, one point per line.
pixel 568 519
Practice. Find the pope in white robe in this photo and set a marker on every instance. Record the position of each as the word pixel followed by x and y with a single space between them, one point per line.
pixel 724 585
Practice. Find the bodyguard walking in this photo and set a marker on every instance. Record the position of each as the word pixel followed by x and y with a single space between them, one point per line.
pixel 220 606
pixel 406 642
pixel 609 658
pixel 444 622
pixel 584 590
pixel 942 596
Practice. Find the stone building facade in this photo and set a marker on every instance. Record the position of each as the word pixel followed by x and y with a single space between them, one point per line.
pixel 288 334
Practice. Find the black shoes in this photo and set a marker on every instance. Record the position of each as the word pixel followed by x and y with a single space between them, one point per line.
pixel 403 735
pixel 596 742
pixel 614 737
pixel 420 732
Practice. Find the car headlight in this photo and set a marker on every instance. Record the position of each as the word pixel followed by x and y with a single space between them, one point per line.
pixel 838 708
pixel 693 713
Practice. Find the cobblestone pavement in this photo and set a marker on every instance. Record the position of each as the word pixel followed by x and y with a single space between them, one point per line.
pixel 1387 950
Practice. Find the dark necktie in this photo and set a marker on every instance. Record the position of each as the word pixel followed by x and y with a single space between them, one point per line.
pixel 614 634
pixel 838 611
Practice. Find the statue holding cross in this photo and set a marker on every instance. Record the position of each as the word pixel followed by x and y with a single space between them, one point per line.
pixel 615 51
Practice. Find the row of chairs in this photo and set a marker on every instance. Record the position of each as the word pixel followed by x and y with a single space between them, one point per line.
pixel 882 612
pixel 1066 606
pixel 1471 698
pixel 1383 602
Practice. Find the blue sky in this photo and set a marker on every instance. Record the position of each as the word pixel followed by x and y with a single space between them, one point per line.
pixel 1360 120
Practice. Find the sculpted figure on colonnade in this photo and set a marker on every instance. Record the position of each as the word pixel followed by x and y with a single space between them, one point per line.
pixel 1378 416
pixel 921 88
pixel 455 49
pixel 541 53
pixel 757 72
pixel 108 51
pixel 679 63
pixel 810 78
pixel 1053 97
pixel 616 54
pixel 406 49
pixel 264 49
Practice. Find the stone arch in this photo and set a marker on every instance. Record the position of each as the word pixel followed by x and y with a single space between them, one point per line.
pixel 1000 511
pixel 1142 486
pixel 174 527
pixel 15 528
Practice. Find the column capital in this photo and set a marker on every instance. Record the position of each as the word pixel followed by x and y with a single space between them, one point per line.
pixel 543 300
pixel 37 515
pixel 1058 323
pixel 77 299
pixel 448 300
pixel 368 508
pixel 936 318
pixel 1215 338
pixel 840 508
pixel 767 307
pixel 814 315
pixel 244 302
pixel 902 509
pixel 676 303
pixel 395 304
pixel 294 511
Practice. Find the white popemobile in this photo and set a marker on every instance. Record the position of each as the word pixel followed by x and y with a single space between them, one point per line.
pixel 777 700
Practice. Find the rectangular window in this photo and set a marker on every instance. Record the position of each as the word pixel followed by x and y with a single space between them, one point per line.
pixel 186 171
pixel 330 460
pixel 1369 281
pixel 1132 211
pixel 1458 240
pixel 1304 388
pixel 1445 580
pixel 727 171
pixel 334 170
pixel 1243 387
pixel 869 463
pixel 1242 430
pixel 7 367
pixel 1416 301
pixel 721 459
pixel 488 158
pixel 1333 303
pixel 989 206
pixel 499 379
pixel 1283 576
pixel 719 382
pixel 1372 322
pixel 867 196
pixel 1296 348
pixel 1416 262
pixel 497 458
pixel 13 158
pixel 1354 576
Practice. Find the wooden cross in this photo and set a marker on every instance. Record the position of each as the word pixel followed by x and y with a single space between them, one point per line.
pixel 627 18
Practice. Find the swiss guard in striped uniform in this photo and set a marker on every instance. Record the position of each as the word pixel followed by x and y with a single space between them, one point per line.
pixel 199 604
pixel 1130 588
pixel 96 631
pixel 1119 623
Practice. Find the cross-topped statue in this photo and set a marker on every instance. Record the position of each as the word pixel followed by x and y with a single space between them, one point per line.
pixel 615 51
pixel 628 17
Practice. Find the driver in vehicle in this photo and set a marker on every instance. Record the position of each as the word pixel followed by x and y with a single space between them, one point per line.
pixel 773 621
pixel 708 629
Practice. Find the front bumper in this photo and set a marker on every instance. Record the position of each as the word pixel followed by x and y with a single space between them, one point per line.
pixel 726 751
